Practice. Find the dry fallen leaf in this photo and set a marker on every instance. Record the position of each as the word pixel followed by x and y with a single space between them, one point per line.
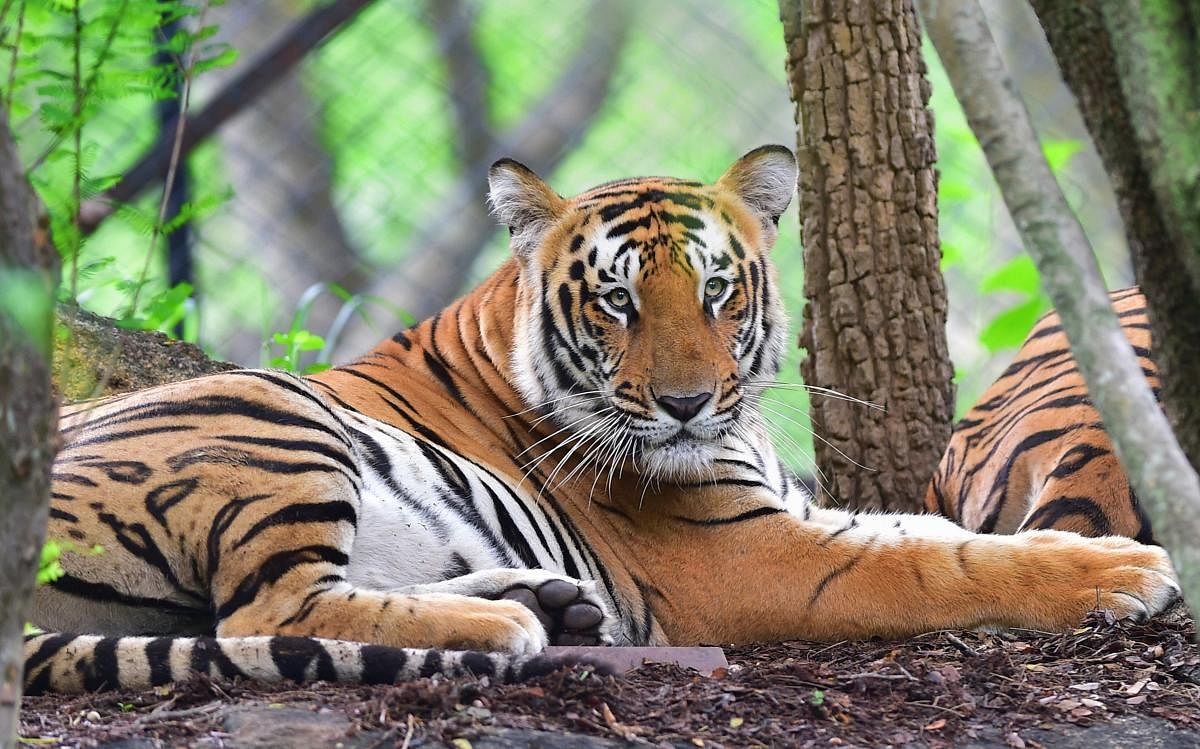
pixel 936 725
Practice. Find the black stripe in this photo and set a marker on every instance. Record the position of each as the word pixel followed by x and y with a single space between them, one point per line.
pixel 63 515
pixel 382 665
pixel 725 482
pixel 206 652
pixel 432 664
pixel 410 417
pixel 130 434
pixel 511 533
pixel 479 664
pixel 832 574
pixel 164 497
pixel 72 478
pixel 1059 508
pixel 336 511
pixel 275 567
pixel 101 669
pixel 107 594
pixel 47 650
pixel 297 445
pixel 757 512
pixel 137 540
pixel 438 368
pixel 122 471
pixel 294 655
pixel 209 455
pixel 158 655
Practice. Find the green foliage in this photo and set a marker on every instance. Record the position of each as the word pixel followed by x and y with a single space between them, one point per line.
pixel 69 70
pixel 295 342
pixel 49 567
pixel 164 310
pixel 1007 329
pixel 25 299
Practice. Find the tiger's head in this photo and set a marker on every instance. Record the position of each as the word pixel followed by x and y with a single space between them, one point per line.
pixel 647 315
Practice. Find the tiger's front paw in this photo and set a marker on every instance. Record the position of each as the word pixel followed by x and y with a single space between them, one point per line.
pixel 570 610
pixel 470 623
pixel 1133 580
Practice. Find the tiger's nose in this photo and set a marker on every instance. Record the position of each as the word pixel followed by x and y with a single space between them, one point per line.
pixel 683 407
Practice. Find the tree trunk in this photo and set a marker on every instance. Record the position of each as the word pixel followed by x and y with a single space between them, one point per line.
pixel 1157 468
pixel 1135 70
pixel 28 414
pixel 875 324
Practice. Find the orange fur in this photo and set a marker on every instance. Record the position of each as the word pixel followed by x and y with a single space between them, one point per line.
pixel 1033 453
pixel 537 420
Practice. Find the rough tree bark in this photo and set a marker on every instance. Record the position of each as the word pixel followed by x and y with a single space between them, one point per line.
pixel 1136 73
pixel 875 322
pixel 29 269
pixel 97 358
pixel 1165 483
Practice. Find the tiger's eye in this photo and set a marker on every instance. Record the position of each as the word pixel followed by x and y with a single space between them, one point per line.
pixel 715 287
pixel 617 297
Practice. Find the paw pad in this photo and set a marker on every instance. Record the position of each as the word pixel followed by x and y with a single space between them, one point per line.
pixel 563 609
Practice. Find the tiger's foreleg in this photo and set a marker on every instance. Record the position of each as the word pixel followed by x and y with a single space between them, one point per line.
pixel 285 573
pixel 777 577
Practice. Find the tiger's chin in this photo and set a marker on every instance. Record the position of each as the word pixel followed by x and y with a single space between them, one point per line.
pixel 679 459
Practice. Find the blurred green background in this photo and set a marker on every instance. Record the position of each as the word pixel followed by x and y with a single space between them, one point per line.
pixel 327 210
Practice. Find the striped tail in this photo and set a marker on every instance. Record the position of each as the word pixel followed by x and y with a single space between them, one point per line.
pixel 68 663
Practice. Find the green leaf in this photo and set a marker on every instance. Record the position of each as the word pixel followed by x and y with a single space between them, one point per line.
pixel 1059 152
pixel 1018 274
pixel 1008 329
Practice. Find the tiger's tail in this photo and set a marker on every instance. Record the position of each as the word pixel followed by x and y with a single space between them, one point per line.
pixel 67 663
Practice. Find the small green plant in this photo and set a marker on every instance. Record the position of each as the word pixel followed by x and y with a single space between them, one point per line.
pixel 295 342
pixel 286 349
pixel 49 567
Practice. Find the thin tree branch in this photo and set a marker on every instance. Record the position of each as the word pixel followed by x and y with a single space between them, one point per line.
pixel 235 97
pixel 1164 481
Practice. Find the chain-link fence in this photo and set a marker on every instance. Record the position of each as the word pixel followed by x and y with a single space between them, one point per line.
pixel 363 168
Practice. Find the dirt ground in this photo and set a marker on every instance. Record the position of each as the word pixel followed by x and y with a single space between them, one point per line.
pixel 1105 684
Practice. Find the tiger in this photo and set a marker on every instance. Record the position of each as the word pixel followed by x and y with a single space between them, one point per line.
pixel 1032 453
pixel 572 453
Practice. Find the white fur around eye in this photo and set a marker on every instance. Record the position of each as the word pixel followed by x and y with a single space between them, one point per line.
pixel 618 313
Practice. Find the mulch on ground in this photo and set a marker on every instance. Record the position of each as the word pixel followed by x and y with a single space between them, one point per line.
pixel 941 689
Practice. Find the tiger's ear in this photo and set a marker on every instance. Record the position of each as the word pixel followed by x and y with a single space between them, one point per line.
pixel 523 203
pixel 765 180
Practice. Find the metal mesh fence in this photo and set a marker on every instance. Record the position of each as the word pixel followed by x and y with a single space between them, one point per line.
pixel 364 167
